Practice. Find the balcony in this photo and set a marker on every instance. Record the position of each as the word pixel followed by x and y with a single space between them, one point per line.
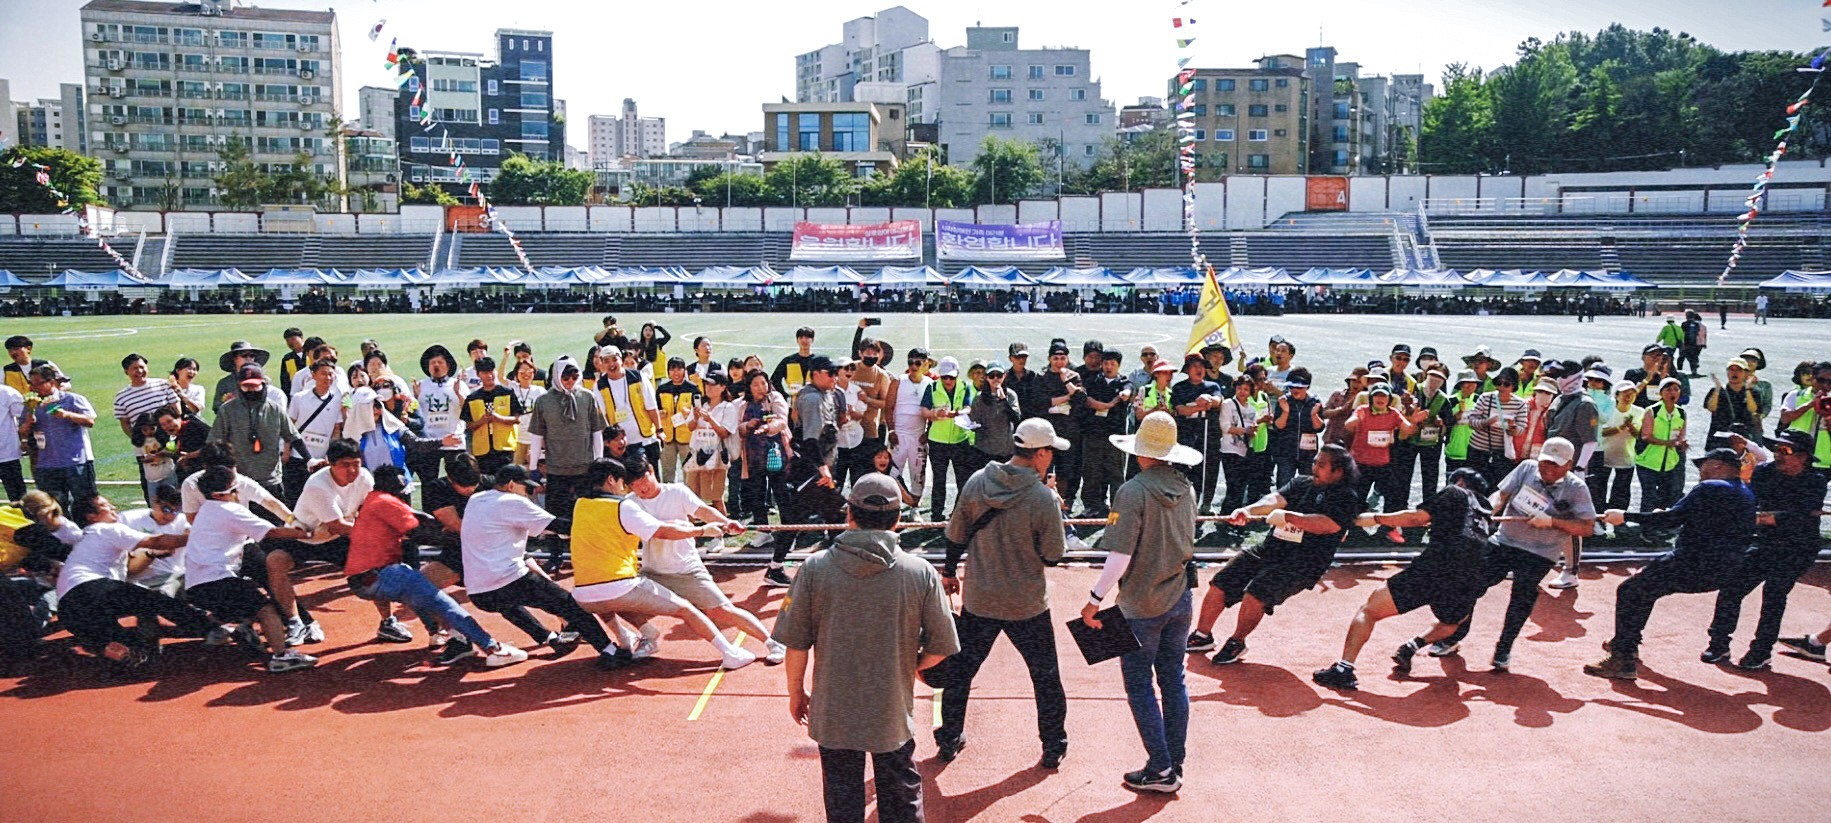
pixel 275 70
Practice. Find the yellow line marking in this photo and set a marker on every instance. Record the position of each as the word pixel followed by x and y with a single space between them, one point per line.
pixel 717 677
pixel 936 699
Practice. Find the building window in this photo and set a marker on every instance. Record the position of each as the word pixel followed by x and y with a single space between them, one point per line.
pixel 1010 37
pixel 807 131
pixel 1200 135
pixel 1201 110
pixel 1258 84
pixel 495 117
pixel 533 129
pixel 851 131
pixel 1093 118
pixel 1036 118
pixel 1036 72
pixel 1001 95
pixel 1341 111
pixel 1284 82
pixel 492 88
pixel 1200 84
pixel 1341 157
pixel 1077 94
pixel 1256 135
pixel 492 146
pixel 1223 84
pixel 533 99
pixel 413 112
pixel 1001 72
pixel 1258 161
pixel 420 144
pixel 782 143
pixel 1064 71
pixel 1257 110
pixel 1224 110
pixel 1089 150
pixel 511 44
pixel 1036 94
pixel 1281 108
pixel 1280 132
pixel 534 70
pixel 1223 135
pixel 1001 120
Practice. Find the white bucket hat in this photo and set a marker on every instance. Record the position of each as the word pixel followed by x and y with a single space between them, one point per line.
pixel 1156 438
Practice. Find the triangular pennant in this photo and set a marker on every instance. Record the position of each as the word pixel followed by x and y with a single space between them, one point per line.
pixel 1183 44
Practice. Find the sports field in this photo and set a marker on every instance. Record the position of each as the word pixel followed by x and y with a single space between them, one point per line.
pixel 90 348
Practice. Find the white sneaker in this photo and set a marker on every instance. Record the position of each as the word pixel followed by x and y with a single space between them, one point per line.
pixel 1567 580
pixel 503 654
pixel 714 546
pixel 737 660
pixel 645 648
pixel 775 652
pixel 288 660
pixel 763 539
pixel 564 637
pixel 299 633
pixel 314 632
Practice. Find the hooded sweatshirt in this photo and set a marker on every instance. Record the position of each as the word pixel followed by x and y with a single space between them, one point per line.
pixel 1007 555
pixel 872 609
pixel 1154 522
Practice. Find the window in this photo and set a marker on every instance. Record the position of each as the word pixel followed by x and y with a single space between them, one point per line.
pixel 1258 84
pixel 1036 94
pixel 1093 118
pixel 420 144
pixel 1001 72
pixel 492 87
pixel 533 129
pixel 1089 150
pixel 1341 111
pixel 495 117
pixel 1280 132
pixel 1284 82
pixel 1036 118
pixel 1281 108
pixel 534 70
pixel 1340 134
pixel 533 99
pixel 1257 110
pixel 1223 135
pixel 1010 37
pixel 1200 135
pixel 1077 94
pixel 807 132
pixel 413 112
pixel 511 44
pixel 1258 161
pixel 1224 110
pixel 782 143
pixel 1201 109
pixel 1341 157
pixel 1001 120
pixel 492 146
pixel 1256 135
pixel 1001 95
pixel 851 131
pixel 1223 84
pixel 1064 71
pixel 1036 72
pixel 1200 84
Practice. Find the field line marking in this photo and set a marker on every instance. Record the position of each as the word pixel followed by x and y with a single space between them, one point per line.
pixel 711 686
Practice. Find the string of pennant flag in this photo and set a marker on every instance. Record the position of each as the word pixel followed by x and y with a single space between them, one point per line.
pixel 1184 108
pixel 41 174
pixel 1757 199
pixel 405 73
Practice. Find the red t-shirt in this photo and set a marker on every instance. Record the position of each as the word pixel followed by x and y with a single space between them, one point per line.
pixel 375 540
pixel 1383 426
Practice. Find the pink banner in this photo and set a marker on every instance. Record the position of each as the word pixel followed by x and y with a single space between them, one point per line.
pixel 898 240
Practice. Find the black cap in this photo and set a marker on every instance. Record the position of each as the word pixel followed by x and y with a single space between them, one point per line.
pixel 821 362
pixel 1018 350
pixel 1092 346
pixel 512 473
pixel 1057 348
pixel 1653 348
pixel 1724 454
pixel 918 352
pixel 19 341
pixel 1798 440
pixel 1401 348
pixel 1428 351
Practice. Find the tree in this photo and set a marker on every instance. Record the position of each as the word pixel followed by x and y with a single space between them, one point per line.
pixel 922 180
pixel 1531 105
pixel 1146 160
pixel 702 173
pixel 524 181
pixel 429 195
pixel 78 177
pixel 1458 124
pixel 1005 171
pixel 811 179
pixel 239 184
pixel 735 188
pixel 643 194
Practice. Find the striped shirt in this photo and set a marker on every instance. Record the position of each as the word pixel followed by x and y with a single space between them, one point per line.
pixel 132 401
pixel 1484 436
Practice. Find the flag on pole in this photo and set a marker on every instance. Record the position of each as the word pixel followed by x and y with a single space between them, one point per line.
pixel 1213 323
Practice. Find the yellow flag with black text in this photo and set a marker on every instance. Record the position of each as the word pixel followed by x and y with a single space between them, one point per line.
pixel 1213 323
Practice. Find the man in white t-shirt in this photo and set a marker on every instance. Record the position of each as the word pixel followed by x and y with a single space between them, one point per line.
pixel 220 532
pixel 327 507
pixel 93 592
pixel 165 574
pixel 12 413
pixel 500 578
pixel 246 489
pixel 675 564
pixel 317 412
pixel 615 381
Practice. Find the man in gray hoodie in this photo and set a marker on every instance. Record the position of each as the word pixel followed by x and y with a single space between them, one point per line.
pixel 1010 526
pixel 879 615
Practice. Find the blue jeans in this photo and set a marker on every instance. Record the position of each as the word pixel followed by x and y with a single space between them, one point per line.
pixel 1163 643
pixel 403 584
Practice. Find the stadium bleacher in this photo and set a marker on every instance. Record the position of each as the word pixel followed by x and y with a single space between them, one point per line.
pixel 260 252
pixel 36 257
pixel 1297 252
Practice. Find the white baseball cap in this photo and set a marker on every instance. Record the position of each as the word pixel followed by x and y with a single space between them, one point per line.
pixel 1036 433
pixel 949 367
pixel 1557 450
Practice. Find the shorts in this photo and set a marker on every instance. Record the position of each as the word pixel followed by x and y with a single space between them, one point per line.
pixel 695 587
pixel 335 551
pixel 709 484
pixel 639 595
pixel 230 600
pixel 1450 600
pixel 1271 581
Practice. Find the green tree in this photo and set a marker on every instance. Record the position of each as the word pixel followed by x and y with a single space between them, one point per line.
pixel 643 194
pixel 240 182
pixel 78 177
pixel 735 188
pixel 1531 106
pixel 1005 171
pixel 431 194
pixel 811 179
pixel 524 181
pixel 1146 160
pixel 921 180
pixel 702 173
pixel 1458 124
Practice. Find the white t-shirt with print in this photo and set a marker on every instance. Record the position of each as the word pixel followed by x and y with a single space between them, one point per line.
pixel 322 501
pixel 306 405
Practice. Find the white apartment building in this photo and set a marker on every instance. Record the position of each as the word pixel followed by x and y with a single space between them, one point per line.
pixel 890 47
pixel 990 86
pixel 170 83
pixel 610 138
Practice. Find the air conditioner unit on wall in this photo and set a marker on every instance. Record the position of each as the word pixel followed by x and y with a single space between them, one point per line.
pixel 97 36
pixel 119 121
pixel 305 125
pixel 306 74
pixel 305 49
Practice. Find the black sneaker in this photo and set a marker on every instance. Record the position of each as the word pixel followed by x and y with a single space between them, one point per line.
pixel 1339 676
pixel 777 578
pixel 1201 642
pixel 1230 652
pixel 456 649
pixel 1052 757
pixel 614 659
pixel 1715 654
pixel 1807 646
pixel 1145 780
pixel 947 750
pixel 1756 661
pixel 1401 659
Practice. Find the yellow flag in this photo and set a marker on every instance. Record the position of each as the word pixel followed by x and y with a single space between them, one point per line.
pixel 1213 323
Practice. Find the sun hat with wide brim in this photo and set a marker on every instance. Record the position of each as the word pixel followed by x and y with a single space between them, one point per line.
pixel 227 361
pixel 439 351
pixel 1156 438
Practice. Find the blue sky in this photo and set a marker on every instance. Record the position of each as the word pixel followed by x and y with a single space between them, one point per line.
pixel 712 64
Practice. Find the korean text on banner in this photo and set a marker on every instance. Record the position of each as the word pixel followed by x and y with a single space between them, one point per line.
pixel 897 240
pixel 1024 241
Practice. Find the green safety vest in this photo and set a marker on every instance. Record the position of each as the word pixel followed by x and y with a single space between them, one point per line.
pixel 1457 447
pixel 1662 458
pixel 1261 434
pixel 945 430
pixel 1430 432
pixel 1809 423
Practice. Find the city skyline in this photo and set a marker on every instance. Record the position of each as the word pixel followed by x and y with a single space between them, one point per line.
pixel 1132 54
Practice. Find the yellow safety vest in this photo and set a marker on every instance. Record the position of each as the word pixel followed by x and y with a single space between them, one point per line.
pixel 1662 458
pixel 602 550
pixel 673 403
pixel 493 437
pixel 1810 424
pixel 637 405
pixel 945 430
pixel 1261 434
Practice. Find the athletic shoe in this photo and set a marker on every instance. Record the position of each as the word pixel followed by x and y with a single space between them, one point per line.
pixel 1231 651
pixel 737 659
pixel 777 577
pixel 774 652
pixel 1145 780
pixel 1052 757
pixel 1567 580
pixel 1401 659
pixel 244 635
pixel 1444 648
pixel 503 654
pixel 564 637
pixel 288 660
pixel 714 546
pixel 456 649
pixel 1756 661
pixel 220 635
pixel 1807 646
pixel 1339 676
pixel 646 648
pixel 1503 661
pixel 391 631
pixel 438 639
pixel 947 750
pixel 614 659
pixel 1715 653
pixel 296 633
pixel 1614 668
pixel 314 632
pixel 763 539
pixel 1201 642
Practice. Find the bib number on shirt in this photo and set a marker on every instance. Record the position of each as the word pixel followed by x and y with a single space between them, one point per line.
pixel 1532 501
pixel 1379 439
pixel 1288 533
pixel 316 441
pixel 1430 435
pixel 1307 442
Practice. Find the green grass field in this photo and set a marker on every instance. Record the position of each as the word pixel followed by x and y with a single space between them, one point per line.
pixel 90 348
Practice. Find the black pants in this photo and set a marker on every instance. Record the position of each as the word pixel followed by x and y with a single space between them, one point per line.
pixel 1615 487
pixel 12 478
pixel 512 602
pixel 93 610
pixel 1204 476
pixel 808 502
pixel 760 488
pixel 1234 467
pixel 1067 467
pixel 1387 481
pixel 1775 569
pixel 491 462
pixel 562 492
pixel 1430 469
pixel 1635 597
pixel 1102 470
pixel 941 456
pixel 1528 572
pixel 426 467
pixel 899 785
pixel 1689 353
pixel 1035 641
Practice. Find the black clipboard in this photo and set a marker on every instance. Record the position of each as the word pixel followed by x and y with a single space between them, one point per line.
pixel 1113 639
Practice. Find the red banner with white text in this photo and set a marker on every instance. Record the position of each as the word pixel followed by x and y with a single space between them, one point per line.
pixel 897 240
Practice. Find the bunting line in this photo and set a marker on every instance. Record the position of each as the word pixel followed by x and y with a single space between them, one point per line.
pixel 42 176
pixel 1758 196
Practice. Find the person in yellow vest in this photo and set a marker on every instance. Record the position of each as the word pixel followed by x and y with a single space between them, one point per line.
pixel 674 400
pixel 948 443
pixel 629 401
pixel 1810 412
pixel 1661 461
pixel 491 414
pixel 1456 443
pixel 607 537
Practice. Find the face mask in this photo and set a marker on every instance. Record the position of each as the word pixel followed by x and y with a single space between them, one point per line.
pixel 869 361
pixel 255 396
pixel 1566 385
pixel 1600 396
